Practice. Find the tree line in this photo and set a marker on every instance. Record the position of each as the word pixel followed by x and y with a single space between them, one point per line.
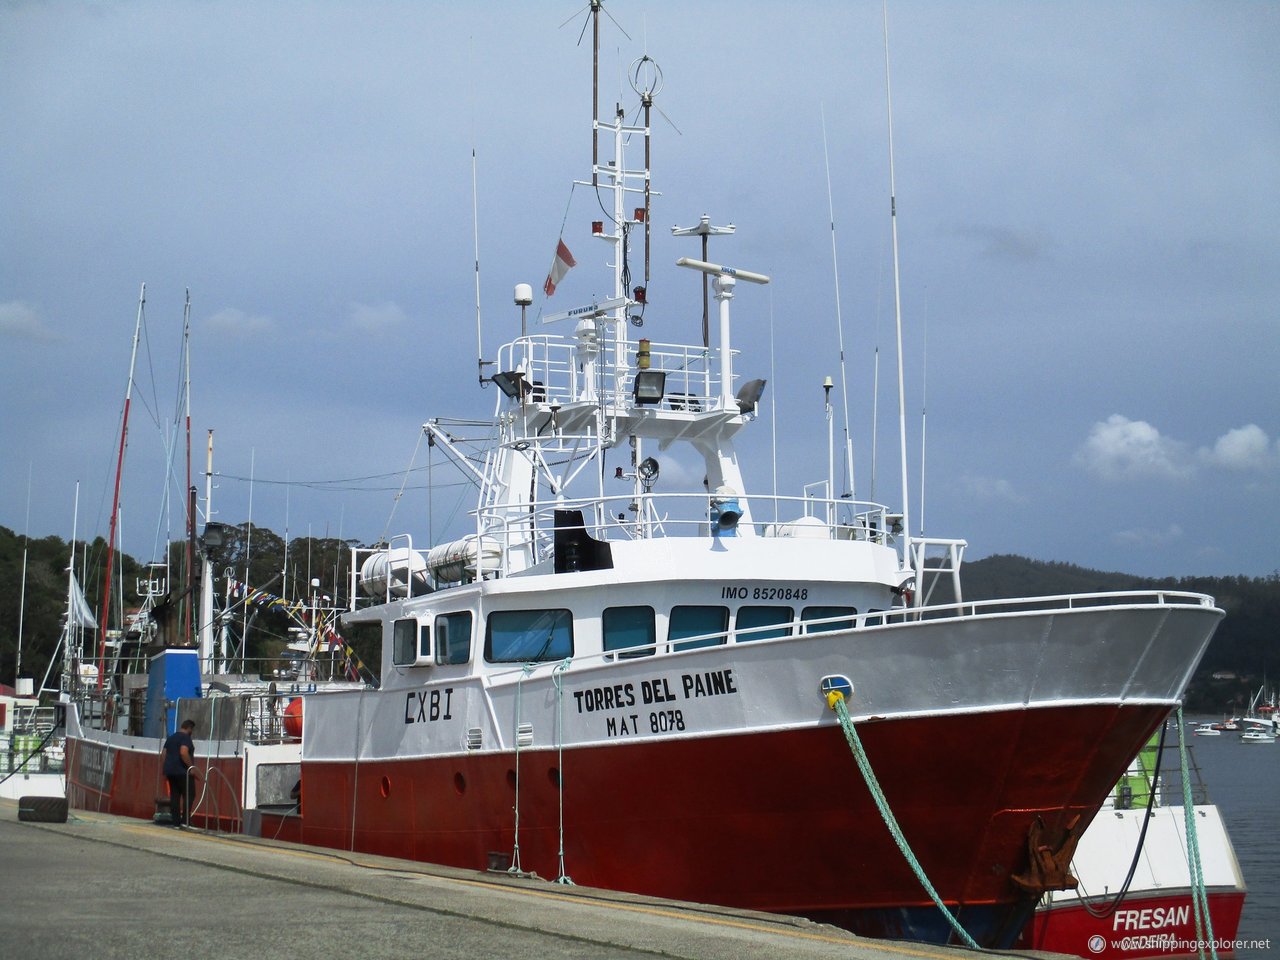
pixel 251 554
pixel 1245 646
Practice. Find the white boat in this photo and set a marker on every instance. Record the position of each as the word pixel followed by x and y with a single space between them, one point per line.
pixel 31 746
pixel 1207 729
pixel 1261 724
pixel 612 682
pixel 1134 897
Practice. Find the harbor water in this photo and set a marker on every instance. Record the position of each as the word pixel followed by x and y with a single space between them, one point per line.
pixel 1244 781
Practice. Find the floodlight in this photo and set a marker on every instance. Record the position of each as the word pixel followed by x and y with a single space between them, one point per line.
pixel 511 382
pixel 749 395
pixel 649 471
pixel 650 385
pixel 214 536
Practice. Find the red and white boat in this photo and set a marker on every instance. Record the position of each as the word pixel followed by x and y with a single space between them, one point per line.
pixel 616 684
pixel 1153 913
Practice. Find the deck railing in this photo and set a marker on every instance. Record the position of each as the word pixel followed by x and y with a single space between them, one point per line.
pixel 883 620
pixel 512 528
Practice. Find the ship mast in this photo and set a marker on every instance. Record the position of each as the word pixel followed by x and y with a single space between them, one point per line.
pixel 897 307
pixel 115 499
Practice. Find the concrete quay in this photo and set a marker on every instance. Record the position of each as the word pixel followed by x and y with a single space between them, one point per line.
pixel 108 887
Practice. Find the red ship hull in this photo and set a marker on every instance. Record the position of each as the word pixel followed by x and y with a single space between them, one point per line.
pixel 130 783
pixel 780 822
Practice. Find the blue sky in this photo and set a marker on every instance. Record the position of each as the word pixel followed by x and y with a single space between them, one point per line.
pixel 1088 208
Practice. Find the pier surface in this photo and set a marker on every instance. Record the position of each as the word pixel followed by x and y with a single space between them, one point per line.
pixel 110 887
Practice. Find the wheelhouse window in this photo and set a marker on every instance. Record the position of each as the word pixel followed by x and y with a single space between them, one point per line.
pixel 708 624
pixel 755 619
pixel 627 627
pixel 827 613
pixel 404 636
pixel 453 637
pixel 526 636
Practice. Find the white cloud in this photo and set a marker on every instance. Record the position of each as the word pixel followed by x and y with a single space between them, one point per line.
pixel 1244 448
pixel 1121 448
pixel 375 319
pixel 233 322
pixel 990 488
pixel 18 319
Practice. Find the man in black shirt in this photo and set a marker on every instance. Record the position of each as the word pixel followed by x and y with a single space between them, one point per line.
pixel 179 757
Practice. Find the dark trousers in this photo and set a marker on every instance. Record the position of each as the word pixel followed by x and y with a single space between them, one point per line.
pixel 179 799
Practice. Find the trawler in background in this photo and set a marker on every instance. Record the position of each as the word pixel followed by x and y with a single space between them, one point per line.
pixel 613 683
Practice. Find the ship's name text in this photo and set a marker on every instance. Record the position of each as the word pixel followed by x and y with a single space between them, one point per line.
pixel 428 706
pixel 710 683
pixel 1153 918
pixel 655 692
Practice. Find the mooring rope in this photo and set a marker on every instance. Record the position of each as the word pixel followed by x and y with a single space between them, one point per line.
pixel 1199 893
pixel 835 700
pixel 557 678
pixel 515 853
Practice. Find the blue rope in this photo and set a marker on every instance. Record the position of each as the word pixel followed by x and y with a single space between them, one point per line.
pixel 835 700
pixel 1199 894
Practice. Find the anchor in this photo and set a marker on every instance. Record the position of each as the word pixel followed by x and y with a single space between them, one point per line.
pixel 1049 853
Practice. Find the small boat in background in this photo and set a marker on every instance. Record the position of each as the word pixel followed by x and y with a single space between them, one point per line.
pixel 31 752
pixel 1207 729
pixel 1260 724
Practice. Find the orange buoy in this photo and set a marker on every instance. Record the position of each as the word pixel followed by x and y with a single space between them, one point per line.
pixel 293 719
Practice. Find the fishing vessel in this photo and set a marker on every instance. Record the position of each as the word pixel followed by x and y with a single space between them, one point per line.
pixel 1136 866
pixel 31 748
pixel 615 682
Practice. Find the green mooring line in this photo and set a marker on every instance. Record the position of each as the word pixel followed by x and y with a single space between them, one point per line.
pixel 836 702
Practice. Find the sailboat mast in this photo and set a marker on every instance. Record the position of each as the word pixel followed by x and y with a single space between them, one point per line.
pixel 115 498
pixel 187 634
pixel 206 573
pixel 71 633
pixel 22 600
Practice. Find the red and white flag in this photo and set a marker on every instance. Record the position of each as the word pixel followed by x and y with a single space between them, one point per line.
pixel 559 267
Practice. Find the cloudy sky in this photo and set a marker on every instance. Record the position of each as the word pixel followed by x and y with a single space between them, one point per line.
pixel 1088 216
